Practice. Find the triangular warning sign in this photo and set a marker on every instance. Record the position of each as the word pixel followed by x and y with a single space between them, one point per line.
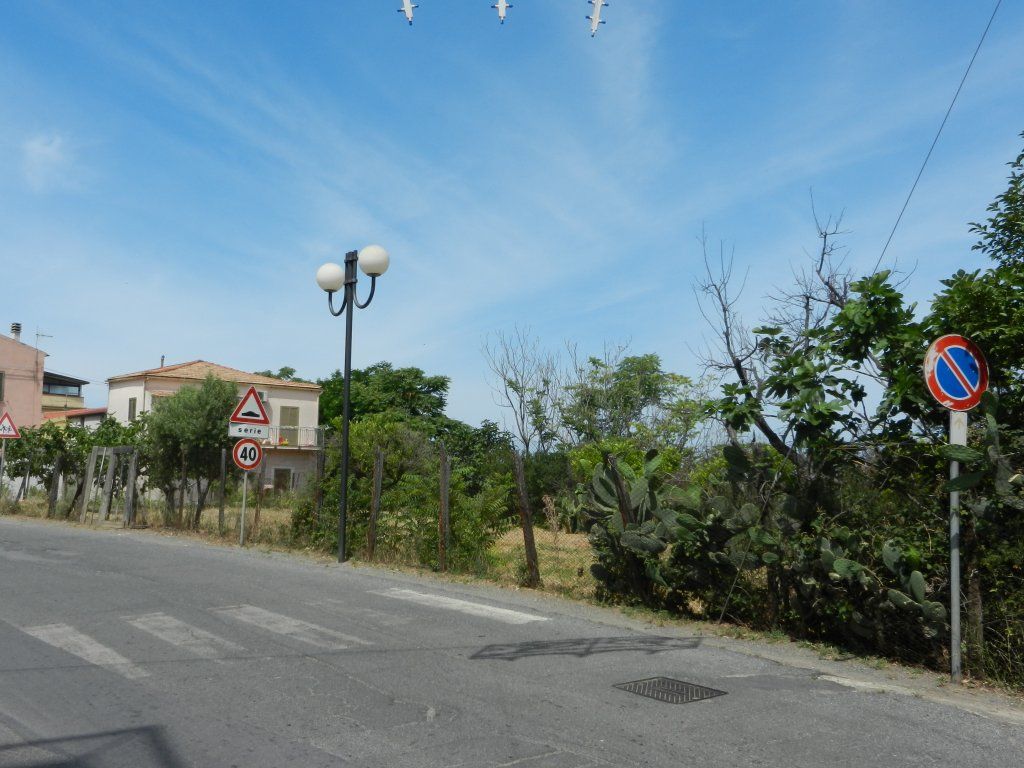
pixel 7 428
pixel 250 410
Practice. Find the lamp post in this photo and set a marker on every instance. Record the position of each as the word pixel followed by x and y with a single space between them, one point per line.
pixel 373 260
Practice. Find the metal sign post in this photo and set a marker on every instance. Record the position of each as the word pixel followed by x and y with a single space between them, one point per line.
pixel 956 373
pixel 957 436
pixel 241 527
pixel 247 455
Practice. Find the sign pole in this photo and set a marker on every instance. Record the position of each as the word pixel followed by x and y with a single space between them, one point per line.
pixel 3 464
pixel 245 488
pixel 956 374
pixel 957 436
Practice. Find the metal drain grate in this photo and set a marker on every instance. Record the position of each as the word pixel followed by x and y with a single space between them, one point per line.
pixel 670 691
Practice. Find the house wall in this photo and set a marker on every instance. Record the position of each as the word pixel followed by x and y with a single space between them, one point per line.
pixel 118 395
pixel 62 402
pixel 22 366
pixel 302 461
pixel 306 400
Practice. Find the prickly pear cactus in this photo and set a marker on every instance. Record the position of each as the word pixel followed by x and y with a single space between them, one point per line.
pixel 634 520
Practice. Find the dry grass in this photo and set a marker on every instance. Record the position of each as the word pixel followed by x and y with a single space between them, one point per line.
pixel 564 560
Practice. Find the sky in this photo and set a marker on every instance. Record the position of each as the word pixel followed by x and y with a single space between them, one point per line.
pixel 173 173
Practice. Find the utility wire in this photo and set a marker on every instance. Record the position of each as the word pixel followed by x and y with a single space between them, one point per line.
pixel 937 134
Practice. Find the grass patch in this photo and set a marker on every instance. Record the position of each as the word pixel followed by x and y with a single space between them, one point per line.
pixel 564 560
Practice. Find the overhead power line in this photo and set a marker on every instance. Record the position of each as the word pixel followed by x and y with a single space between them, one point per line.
pixel 938 133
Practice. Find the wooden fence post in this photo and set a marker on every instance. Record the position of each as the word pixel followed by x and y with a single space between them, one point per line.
pixel 526 518
pixel 130 492
pixel 443 519
pixel 223 489
pixel 51 507
pixel 259 500
pixel 318 487
pixel 90 473
pixel 181 494
pixel 23 491
pixel 108 486
pixel 378 476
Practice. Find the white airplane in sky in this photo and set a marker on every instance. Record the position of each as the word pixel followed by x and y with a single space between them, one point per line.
pixel 502 6
pixel 595 15
pixel 407 8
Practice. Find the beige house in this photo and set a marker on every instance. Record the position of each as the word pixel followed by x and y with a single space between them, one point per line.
pixel 293 408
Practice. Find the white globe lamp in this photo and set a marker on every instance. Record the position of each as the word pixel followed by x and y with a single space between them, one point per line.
pixel 330 277
pixel 374 260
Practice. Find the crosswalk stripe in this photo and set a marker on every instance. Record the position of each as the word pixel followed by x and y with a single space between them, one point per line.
pixel 178 633
pixel 77 643
pixel 463 606
pixel 289 627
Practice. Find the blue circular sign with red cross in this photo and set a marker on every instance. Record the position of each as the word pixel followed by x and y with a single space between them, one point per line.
pixel 956 372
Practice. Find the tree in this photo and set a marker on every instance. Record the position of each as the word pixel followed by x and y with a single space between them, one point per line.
pixel 285 373
pixel 382 388
pixel 526 385
pixel 987 306
pixel 184 437
pixel 628 397
pixel 1002 235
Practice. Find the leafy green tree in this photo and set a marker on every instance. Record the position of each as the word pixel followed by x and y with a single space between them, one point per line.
pixel 629 397
pixel 987 306
pixel 382 388
pixel 285 373
pixel 184 437
pixel 1002 235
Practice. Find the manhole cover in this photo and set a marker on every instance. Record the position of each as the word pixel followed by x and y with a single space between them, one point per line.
pixel 670 691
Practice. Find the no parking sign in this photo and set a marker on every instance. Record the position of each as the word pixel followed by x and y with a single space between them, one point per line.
pixel 956 372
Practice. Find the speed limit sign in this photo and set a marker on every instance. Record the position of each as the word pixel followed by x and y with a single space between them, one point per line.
pixel 247 454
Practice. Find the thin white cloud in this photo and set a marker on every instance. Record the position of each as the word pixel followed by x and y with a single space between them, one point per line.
pixel 47 163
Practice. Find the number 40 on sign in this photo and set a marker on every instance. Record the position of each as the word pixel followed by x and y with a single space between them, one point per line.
pixel 247 454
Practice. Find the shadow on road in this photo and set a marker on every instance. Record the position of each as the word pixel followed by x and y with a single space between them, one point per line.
pixel 586 646
pixel 146 746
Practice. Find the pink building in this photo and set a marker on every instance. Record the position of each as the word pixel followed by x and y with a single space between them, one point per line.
pixel 21 379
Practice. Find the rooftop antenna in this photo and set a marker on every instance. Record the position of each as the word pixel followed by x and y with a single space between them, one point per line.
pixel 40 335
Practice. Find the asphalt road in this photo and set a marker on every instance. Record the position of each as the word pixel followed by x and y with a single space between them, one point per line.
pixel 140 650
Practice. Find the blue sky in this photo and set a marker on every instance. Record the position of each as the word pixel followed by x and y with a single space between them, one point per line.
pixel 172 174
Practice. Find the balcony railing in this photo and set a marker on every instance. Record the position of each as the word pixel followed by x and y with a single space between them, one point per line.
pixel 295 437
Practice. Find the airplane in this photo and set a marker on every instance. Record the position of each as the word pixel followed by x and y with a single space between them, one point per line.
pixel 407 9
pixel 502 7
pixel 595 17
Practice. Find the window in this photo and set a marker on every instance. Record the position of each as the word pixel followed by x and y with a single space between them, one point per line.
pixel 289 424
pixel 282 479
pixel 62 389
pixel 1 386
pixel 132 406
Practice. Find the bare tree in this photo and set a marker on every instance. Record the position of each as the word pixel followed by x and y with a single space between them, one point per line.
pixel 525 383
pixel 818 293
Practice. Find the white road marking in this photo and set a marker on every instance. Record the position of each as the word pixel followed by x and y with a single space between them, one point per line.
pixel 84 647
pixel 368 614
pixel 868 687
pixel 289 627
pixel 177 632
pixel 463 606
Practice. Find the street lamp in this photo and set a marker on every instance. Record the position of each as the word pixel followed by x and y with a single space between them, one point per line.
pixel 373 260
